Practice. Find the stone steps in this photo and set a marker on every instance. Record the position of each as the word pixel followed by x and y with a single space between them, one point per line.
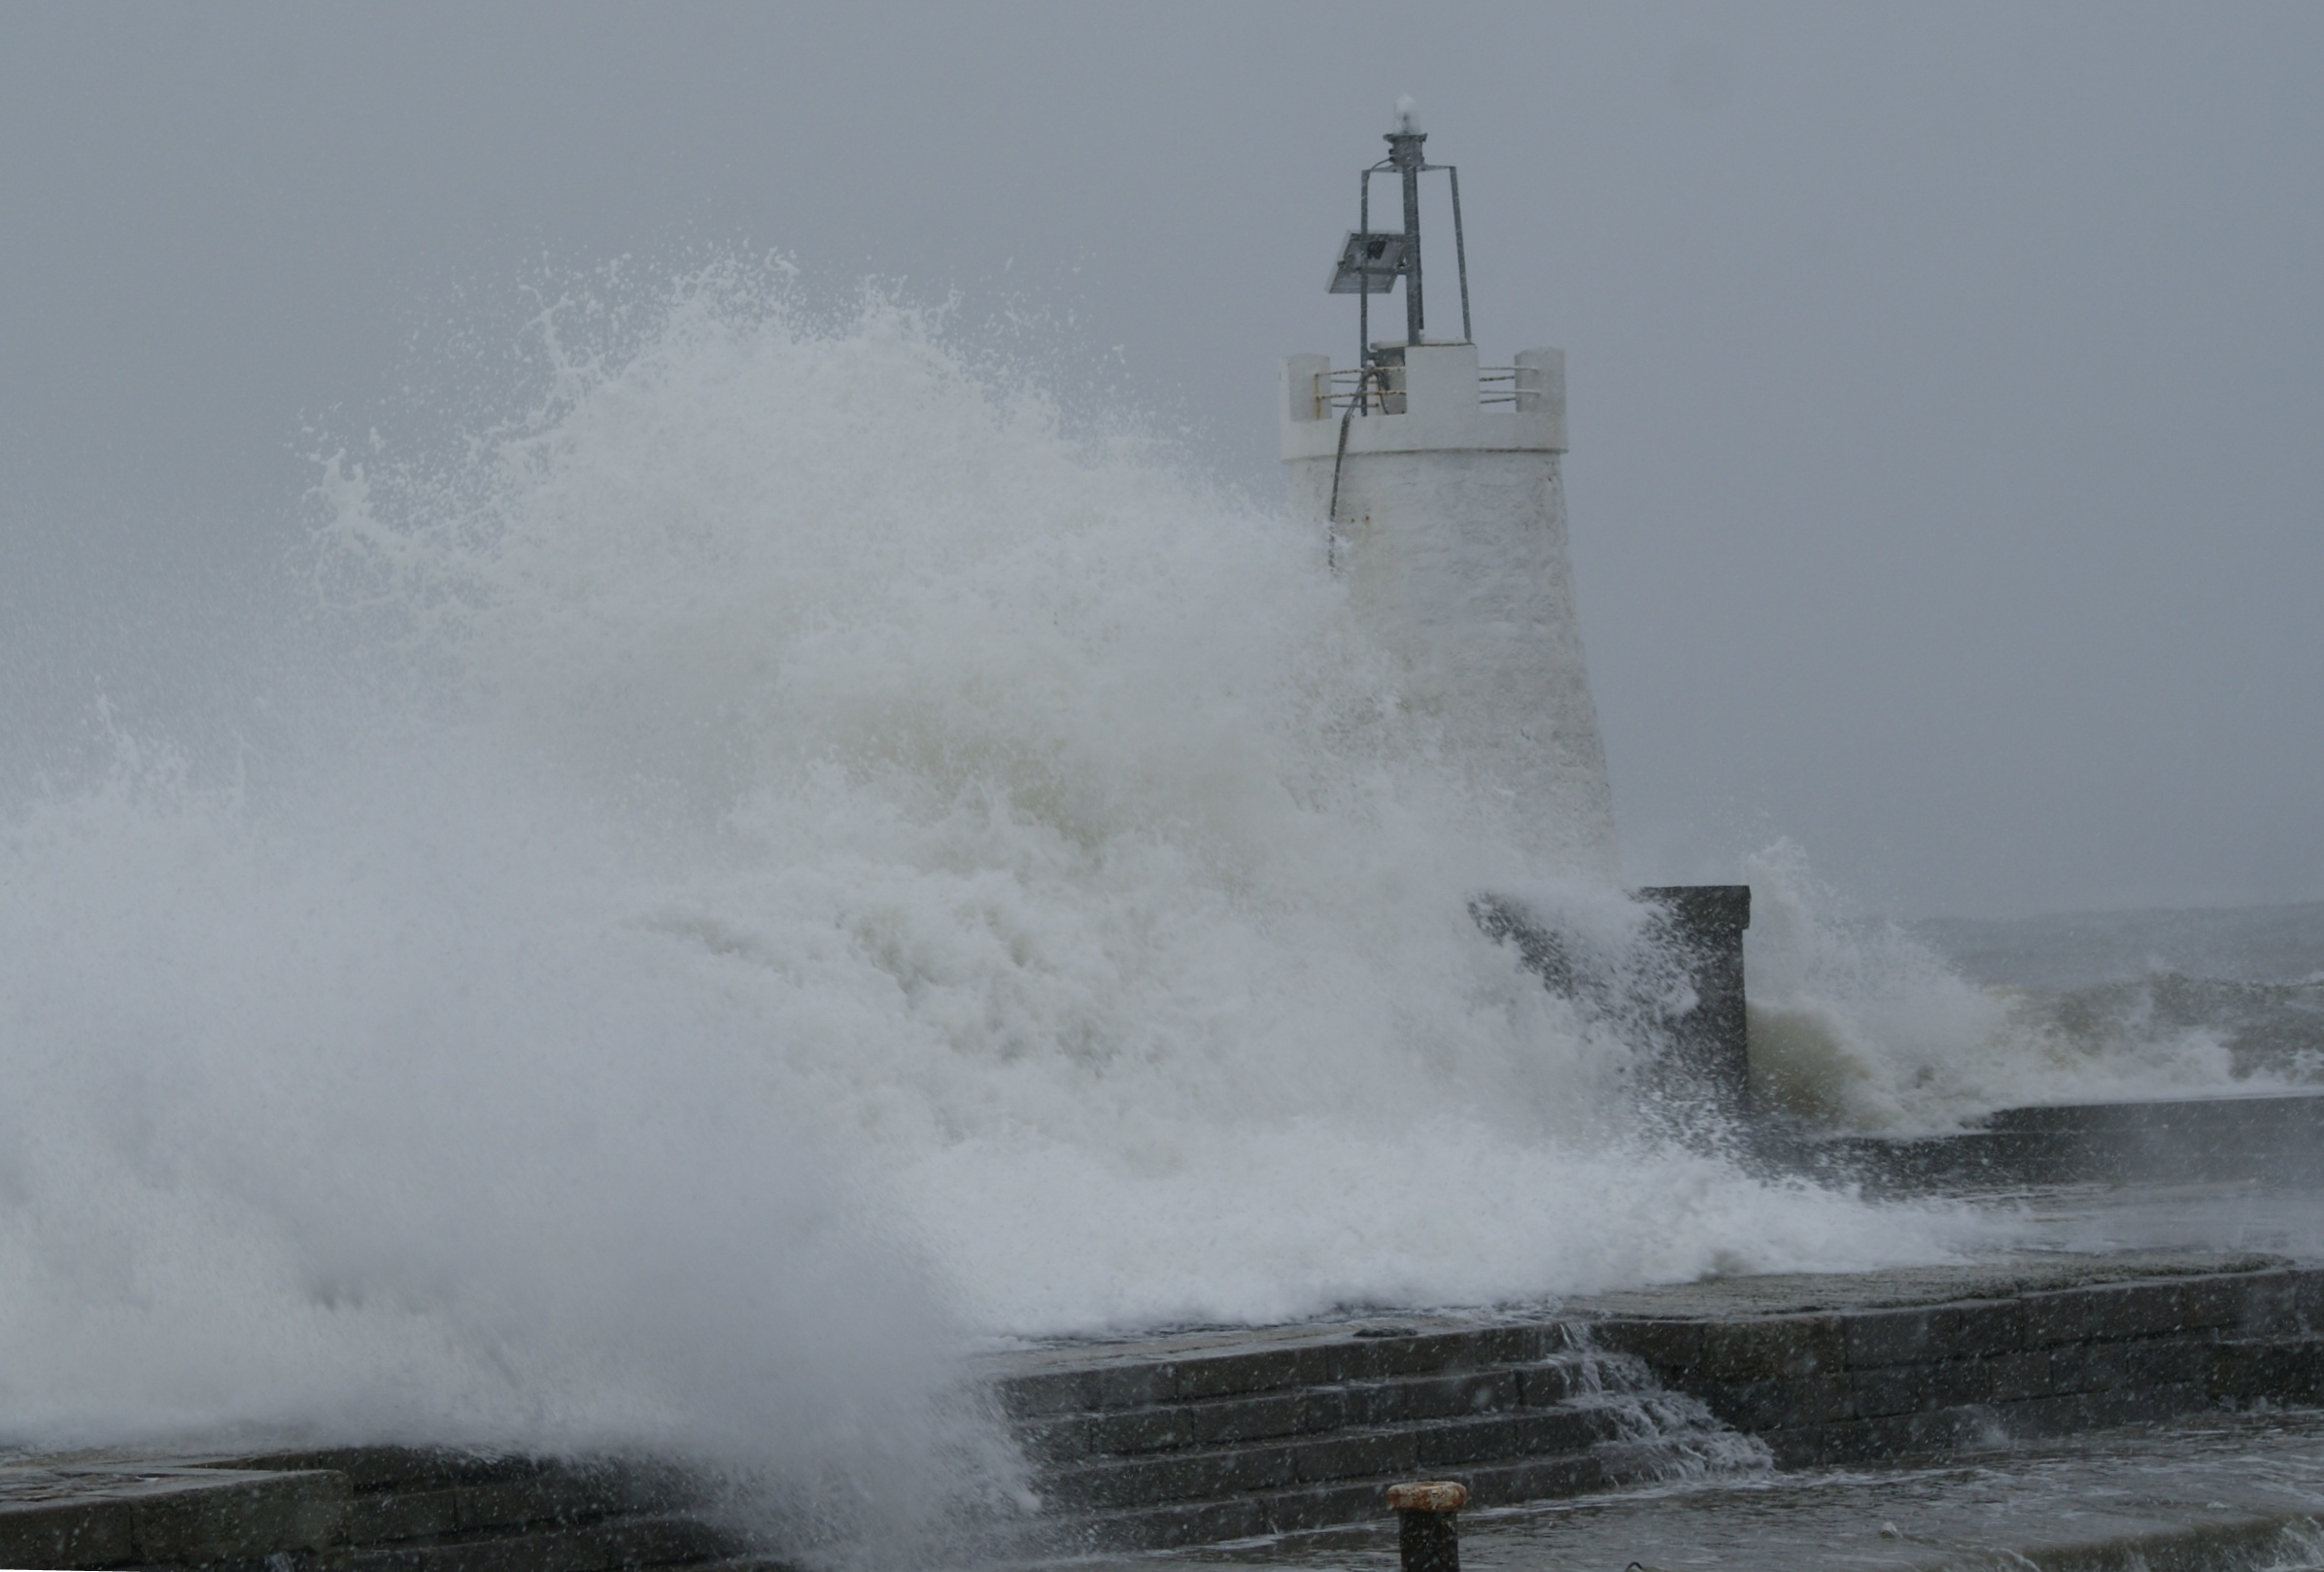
pixel 1309 1432
pixel 1419 1445
pixel 1225 1435
pixel 1307 1410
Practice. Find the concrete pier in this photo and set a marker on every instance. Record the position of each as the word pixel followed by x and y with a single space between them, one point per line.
pixel 2274 1138
pixel 355 1509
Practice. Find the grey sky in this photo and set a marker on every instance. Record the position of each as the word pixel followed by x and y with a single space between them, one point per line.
pixel 1948 384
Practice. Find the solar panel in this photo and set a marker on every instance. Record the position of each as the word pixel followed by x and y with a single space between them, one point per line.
pixel 1370 262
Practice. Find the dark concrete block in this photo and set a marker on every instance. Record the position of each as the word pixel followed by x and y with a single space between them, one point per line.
pixel 1755 1406
pixel 2275 1371
pixel 387 1516
pixel 1377 1402
pixel 2213 1301
pixel 2104 1314
pixel 2307 1289
pixel 1134 1385
pixel 100 1514
pixel 1544 1385
pixel 68 1534
pixel 1173 1477
pixel 2271 1305
pixel 1064 1438
pixel 1325 1408
pixel 1350 1359
pixel 1444 1397
pixel 283 1514
pixel 1668 1347
pixel 1569 1430
pixel 1906 1390
pixel 1967 1330
pixel 1232 1374
pixel 1769 1346
pixel 1476 1347
pixel 2083 1367
pixel 1441 1447
pixel 1031 1396
pixel 1887 1337
pixel 1443 1353
pixel 1505 1437
pixel 1956 1383
pixel 1249 1418
pixel 519 1503
pixel 1978 1329
pixel 1091 1389
pixel 1361 1455
pixel 1071 1437
pixel 2012 1378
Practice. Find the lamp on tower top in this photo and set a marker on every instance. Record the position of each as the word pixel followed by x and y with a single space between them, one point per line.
pixel 1372 260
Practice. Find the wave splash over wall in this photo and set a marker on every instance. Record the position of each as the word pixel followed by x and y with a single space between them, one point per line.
pixel 1861 1024
pixel 830 860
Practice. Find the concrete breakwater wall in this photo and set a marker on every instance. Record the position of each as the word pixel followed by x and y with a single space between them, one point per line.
pixel 1227 1435
pixel 360 1509
pixel 2000 1355
pixel 2275 1139
pixel 1220 1435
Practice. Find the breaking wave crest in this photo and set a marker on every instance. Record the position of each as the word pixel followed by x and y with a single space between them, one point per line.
pixel 1864 1025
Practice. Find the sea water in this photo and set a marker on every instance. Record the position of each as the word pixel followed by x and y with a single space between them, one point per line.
pixel 1871 1025
pixel 788 853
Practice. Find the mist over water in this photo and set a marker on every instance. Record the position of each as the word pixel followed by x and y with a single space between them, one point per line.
pixel 810 858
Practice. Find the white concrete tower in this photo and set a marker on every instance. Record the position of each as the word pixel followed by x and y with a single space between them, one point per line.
pixel 1438 481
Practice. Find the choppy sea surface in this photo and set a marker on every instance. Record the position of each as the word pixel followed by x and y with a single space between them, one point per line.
pixel 2251 978
pixel 1876 1025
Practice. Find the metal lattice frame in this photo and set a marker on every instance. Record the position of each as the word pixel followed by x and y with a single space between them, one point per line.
pixel 1405 159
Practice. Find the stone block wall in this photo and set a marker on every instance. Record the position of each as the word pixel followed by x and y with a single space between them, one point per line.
pixel 1855 1384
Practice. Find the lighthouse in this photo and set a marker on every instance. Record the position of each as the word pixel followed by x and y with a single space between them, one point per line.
pixel 1436 480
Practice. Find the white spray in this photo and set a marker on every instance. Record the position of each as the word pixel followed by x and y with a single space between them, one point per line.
pixel 844 868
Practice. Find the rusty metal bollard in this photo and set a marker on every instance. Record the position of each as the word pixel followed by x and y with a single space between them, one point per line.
pixel 1428 1530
